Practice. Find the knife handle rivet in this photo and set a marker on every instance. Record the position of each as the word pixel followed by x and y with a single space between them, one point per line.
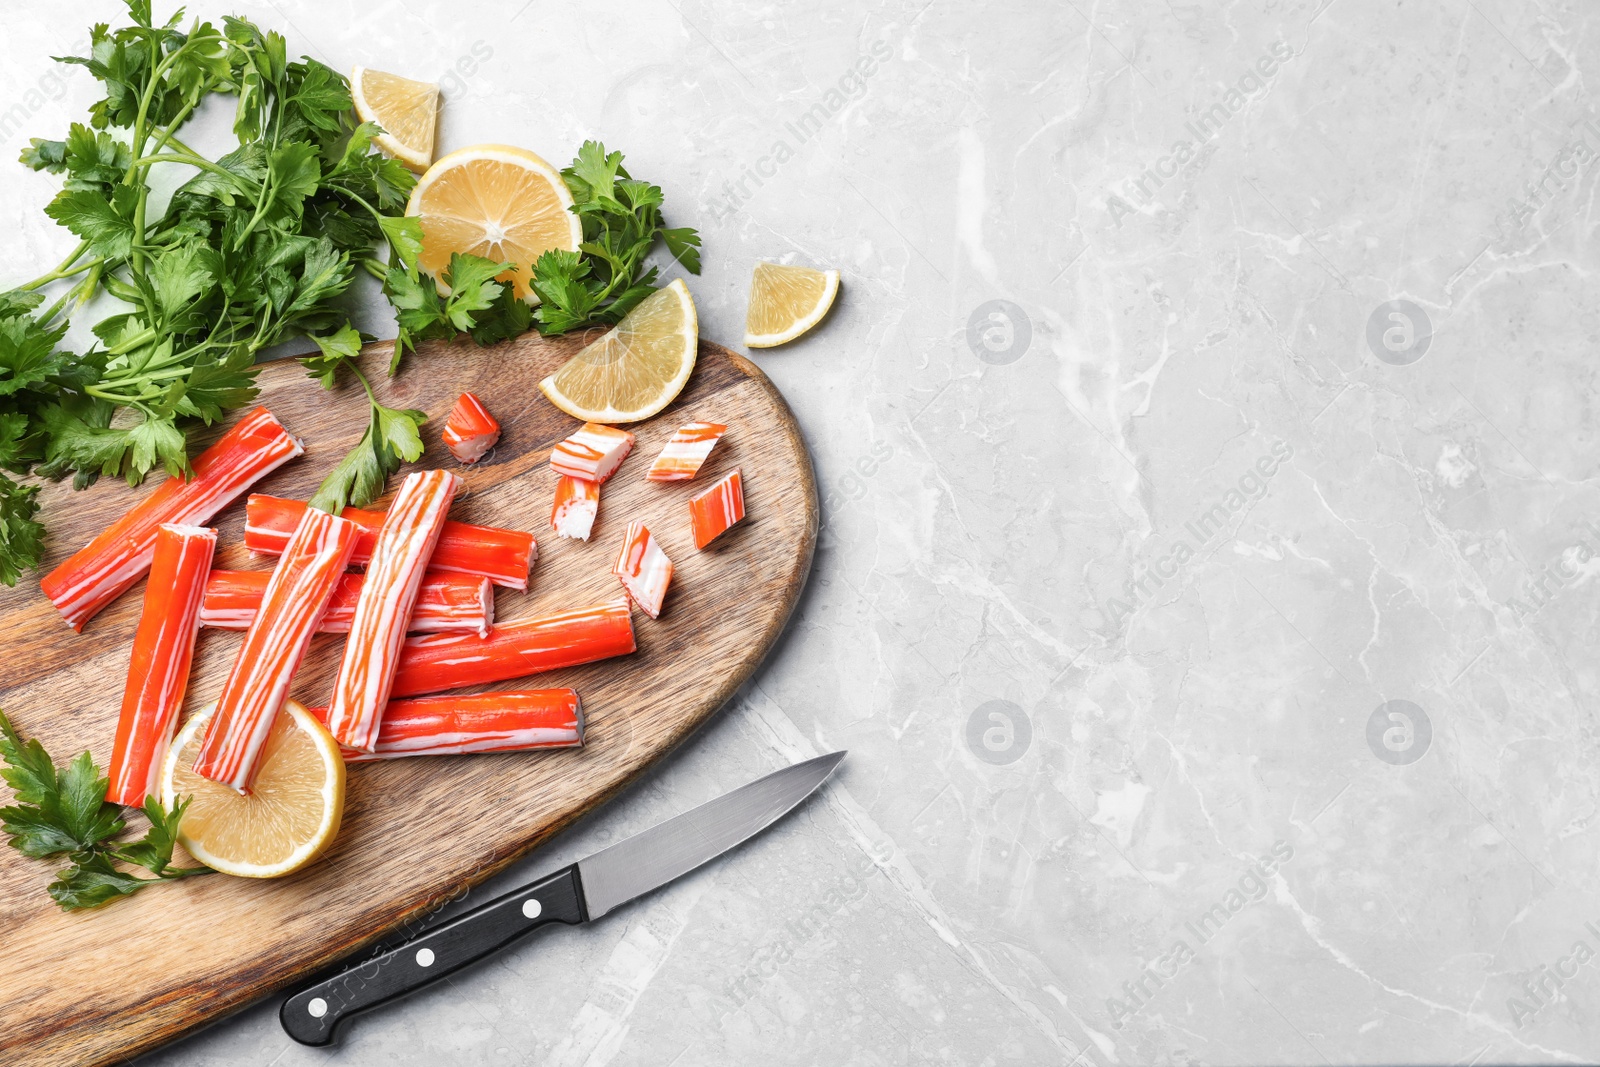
pixel 318 1007
pixel 424 957
pixel 531 908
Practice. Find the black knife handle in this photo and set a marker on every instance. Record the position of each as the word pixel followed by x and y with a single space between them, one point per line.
pixel 311 1014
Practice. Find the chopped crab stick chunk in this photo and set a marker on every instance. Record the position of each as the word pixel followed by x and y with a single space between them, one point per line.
pixel 410 530
pixel 502 556
pixel 275 644
pixel 718 508
pixel 644 570
pixel 577 503
pixel 511 721
pixel 470 431
pixel 444 602
pixel 685 451
pixel 434 663
pixel 593 453
pixel 97 574
pixel 158 671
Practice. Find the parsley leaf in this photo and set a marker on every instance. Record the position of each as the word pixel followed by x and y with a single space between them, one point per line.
pixel 64 812
pixel 21 536
pixel 107 224
pixel 392 437
pixel 621 222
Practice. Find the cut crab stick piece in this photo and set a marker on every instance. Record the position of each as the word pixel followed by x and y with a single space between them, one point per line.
pixel 275 644
pixel 644 569
pixel 158 671
pixel 433 663
pixel 502 556
pixel 593 453
pixel 511 721
pixel 718 508
pixel 99 572
pixel 445 602
pixel 470 431
pixel 410 530
pixel 577 503
pixel 685 451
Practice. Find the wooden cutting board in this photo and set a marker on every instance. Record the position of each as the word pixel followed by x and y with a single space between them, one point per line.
pixel 98 987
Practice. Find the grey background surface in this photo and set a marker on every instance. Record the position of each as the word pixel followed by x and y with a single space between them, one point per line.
pixel 1207 379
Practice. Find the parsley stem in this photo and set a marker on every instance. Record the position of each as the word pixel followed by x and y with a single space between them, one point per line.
pixel 55 309
pixel 172 127
pixel 261 209
pixel 374 268
pixel 143 337
pixel 66 270
pixel 197 161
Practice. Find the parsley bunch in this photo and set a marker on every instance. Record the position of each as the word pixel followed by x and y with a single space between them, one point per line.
pixel 64 812
pixel 606 277
pixel 256 248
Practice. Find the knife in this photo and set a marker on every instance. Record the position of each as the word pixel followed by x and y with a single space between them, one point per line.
pixel 586 890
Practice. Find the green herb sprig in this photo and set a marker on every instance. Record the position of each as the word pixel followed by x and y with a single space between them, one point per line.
pixel 607 277
pixel 64 812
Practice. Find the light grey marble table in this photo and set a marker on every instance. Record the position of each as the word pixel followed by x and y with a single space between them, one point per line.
pixel 1207 442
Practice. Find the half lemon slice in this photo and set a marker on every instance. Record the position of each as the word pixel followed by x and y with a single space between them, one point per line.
pixel 638 367
pixel 494 201
pixel 407 110
pixel 293 809
pixel 785 302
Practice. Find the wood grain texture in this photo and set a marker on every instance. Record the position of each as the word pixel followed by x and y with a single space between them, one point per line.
pixel 98 987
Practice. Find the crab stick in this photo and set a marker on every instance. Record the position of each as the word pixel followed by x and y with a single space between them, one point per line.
pixel 470 431
pixel 685 451
pixel 275 644
pixel 99 572
pixel 502 556
pixel 158 670
pixel 510 721
pixel 593 453
pixel 577 503
pixel 410 530
pixel 433 663
pixel 444 602
pixel 718 508
pixel 644 569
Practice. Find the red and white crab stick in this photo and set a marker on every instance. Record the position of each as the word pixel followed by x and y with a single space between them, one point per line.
pixel 410 530
pixel 275 644
pixel 502 556
pixel 592 453
pixel 718 508
pixel 470 431
pixel 445 602
pixel 516 720
pixel 433 663
pixel 577 503
pixel 158 670
pixel 685 451
pixel 644 569
pixel 98 573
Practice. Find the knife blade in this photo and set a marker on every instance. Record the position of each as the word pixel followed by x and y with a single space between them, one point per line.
pixel 586 890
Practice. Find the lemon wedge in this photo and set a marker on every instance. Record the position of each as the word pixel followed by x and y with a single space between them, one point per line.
pixel 638 367
pixel 785 302
pixel 407 110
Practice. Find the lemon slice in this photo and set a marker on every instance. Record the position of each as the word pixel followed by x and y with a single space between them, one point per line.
pixel 637 368
pixel 405 109
pixel 494 201
pixel 785 302
pixel 291 814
